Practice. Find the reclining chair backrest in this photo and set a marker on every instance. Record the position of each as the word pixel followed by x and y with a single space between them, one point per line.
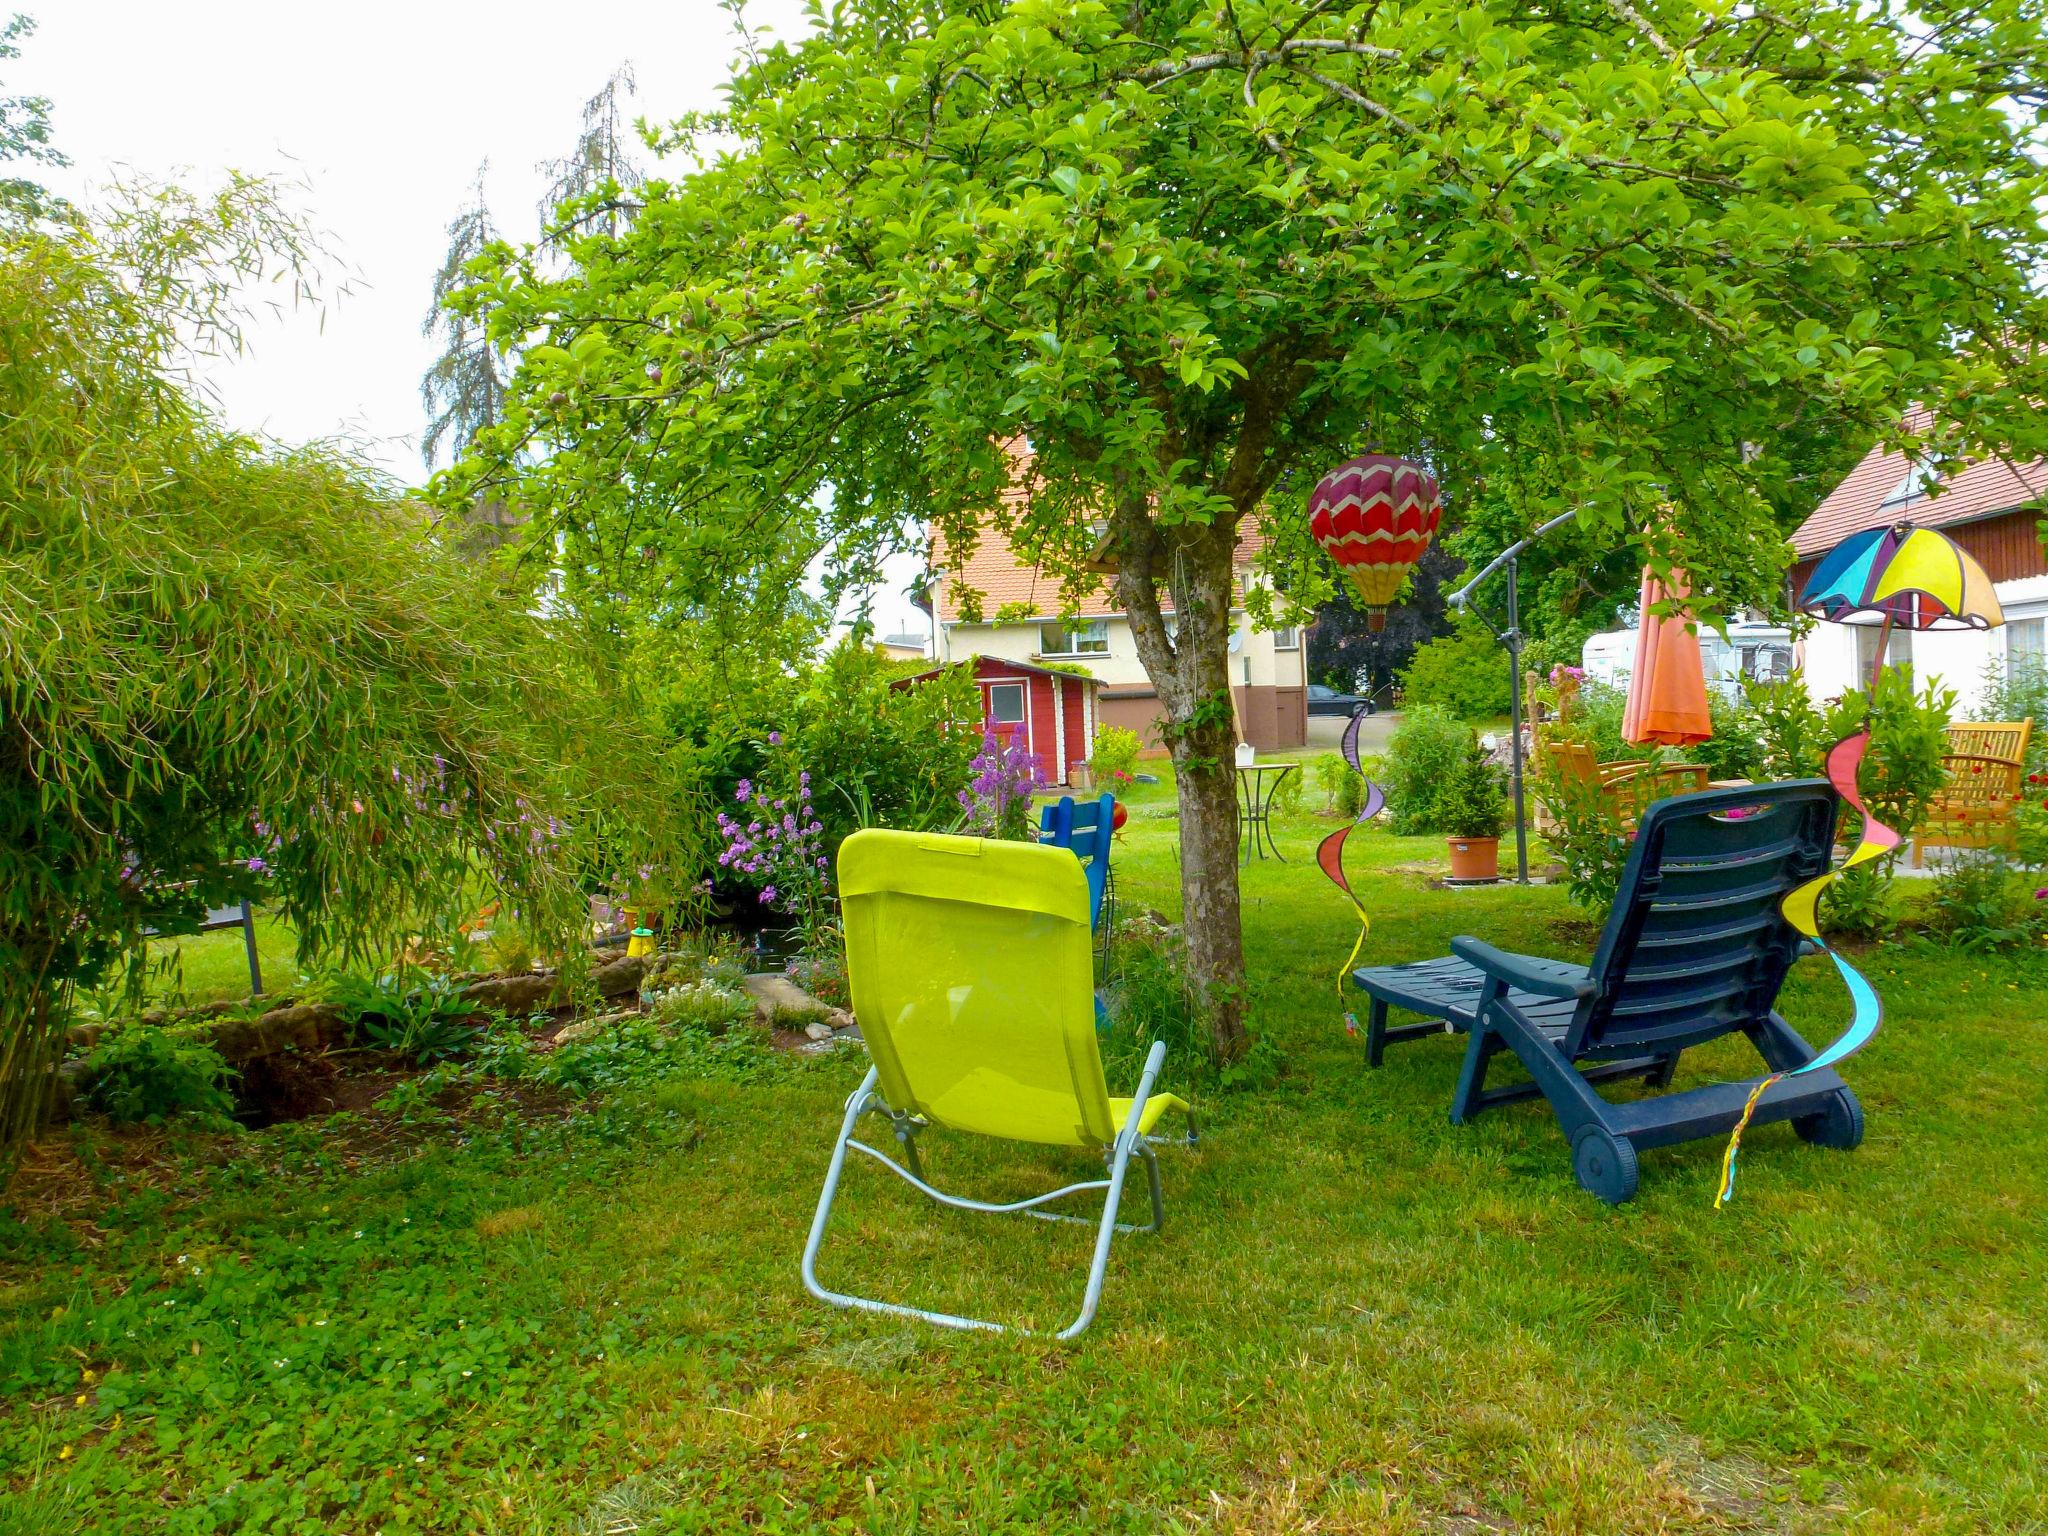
pixel 1695 945
pixel 972 974
pixel 1086 827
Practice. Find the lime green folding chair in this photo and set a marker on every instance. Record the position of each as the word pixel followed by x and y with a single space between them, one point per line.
pixel 972 972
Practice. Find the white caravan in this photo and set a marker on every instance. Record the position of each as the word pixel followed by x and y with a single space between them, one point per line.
pixel 1759 652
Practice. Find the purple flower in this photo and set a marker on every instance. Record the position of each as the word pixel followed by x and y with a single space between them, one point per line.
pixel 775 738
pixel 257 866
pixel 742 790
pixel 767 894
pixel 815 828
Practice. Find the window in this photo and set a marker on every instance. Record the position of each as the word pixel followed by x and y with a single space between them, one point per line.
pixel 1286 638
pixel 1898 654
pixel 1089 637
pixel 1006 703
pixel 1919 480
pixel 2026 644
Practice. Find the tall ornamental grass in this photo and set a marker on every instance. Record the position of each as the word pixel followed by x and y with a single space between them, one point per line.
pixel 227 667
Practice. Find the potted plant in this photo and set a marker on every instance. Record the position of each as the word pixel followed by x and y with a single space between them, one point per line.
pixel 1472 808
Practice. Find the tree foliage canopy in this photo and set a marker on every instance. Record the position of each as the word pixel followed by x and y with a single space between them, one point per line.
pixel 1634 247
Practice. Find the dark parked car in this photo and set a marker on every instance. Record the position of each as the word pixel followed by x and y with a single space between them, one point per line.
pixel 1328 701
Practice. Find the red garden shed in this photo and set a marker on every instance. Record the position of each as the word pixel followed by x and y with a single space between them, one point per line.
pixel 1053 711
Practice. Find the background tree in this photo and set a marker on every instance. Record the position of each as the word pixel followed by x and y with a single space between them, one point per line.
pixel 24 136
pixel 1184 246
pixel 228 668
pixel 590 189
pixel 463 390
pixel 1347 654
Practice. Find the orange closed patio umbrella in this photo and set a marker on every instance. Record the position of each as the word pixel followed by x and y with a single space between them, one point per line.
pixel 1667 692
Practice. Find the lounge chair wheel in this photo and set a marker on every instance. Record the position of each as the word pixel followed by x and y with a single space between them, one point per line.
pixel 1605 1164
pixel 1840 1125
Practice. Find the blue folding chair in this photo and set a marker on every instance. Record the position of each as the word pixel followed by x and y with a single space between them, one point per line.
pixel 1085 828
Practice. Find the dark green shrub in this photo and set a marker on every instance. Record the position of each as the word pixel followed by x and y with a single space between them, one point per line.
pixel 1148 997
pixel 416 1014
pixel 1473 800
pixel 1860 902
pixel 142 1075
pixel 1587 837
pixel 1116 755
pixel 1981 902
pixel 2018 690
pixel 1426 750
pixel 1464 672
pixel 1342 789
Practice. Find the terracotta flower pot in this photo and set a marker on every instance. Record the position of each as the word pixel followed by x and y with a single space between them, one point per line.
pixel 1475 858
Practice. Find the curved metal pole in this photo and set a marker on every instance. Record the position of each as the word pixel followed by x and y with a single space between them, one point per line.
pixel 1509 635
pixel 1463 595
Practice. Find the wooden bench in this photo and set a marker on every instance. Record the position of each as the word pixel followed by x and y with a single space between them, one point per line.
pixel 1986 762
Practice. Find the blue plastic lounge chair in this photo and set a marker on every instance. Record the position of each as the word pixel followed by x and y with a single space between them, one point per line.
pixel 1695 948
pixel 972 980
pixel 1086 828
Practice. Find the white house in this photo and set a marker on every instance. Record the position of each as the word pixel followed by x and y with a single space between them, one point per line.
pixel 1993 511
pixel 1268 666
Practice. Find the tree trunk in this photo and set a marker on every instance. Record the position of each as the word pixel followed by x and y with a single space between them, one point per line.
pixel 1208 892
pixel 1192 673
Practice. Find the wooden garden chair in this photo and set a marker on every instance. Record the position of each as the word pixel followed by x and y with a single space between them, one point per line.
pixel 1628 787
pixel 1986 761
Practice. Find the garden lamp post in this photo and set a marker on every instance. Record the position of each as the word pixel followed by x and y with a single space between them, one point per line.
pixel 1509 633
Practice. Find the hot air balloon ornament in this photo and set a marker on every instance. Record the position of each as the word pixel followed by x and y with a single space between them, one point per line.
pixel 1374 516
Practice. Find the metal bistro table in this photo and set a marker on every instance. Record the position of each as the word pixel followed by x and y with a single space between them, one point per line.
pixel 1257 783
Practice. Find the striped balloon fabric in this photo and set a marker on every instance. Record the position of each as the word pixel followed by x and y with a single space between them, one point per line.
pixel 1374 516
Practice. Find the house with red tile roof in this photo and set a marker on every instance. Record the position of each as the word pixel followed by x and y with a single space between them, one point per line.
pixel 1017 608
pixel 1991 509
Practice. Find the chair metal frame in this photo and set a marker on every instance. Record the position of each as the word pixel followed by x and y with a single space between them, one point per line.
pixel 1130 1141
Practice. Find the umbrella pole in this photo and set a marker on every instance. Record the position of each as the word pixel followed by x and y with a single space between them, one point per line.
pixel 1884 640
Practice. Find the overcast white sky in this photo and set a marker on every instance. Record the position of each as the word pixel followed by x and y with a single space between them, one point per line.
pixel 385 110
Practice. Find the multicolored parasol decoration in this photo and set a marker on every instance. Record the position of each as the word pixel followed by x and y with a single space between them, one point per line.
pixel 1901 576
pixel 1330 859
pixel 1374 516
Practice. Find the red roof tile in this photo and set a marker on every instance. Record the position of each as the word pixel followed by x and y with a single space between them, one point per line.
pixel 1003 579
pixel 1861 500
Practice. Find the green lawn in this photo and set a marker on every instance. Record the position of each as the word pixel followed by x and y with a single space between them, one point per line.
pixel 1359 1318
pixel 213 967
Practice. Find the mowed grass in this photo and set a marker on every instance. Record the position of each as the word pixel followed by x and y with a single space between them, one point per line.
pixel 1359 1317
